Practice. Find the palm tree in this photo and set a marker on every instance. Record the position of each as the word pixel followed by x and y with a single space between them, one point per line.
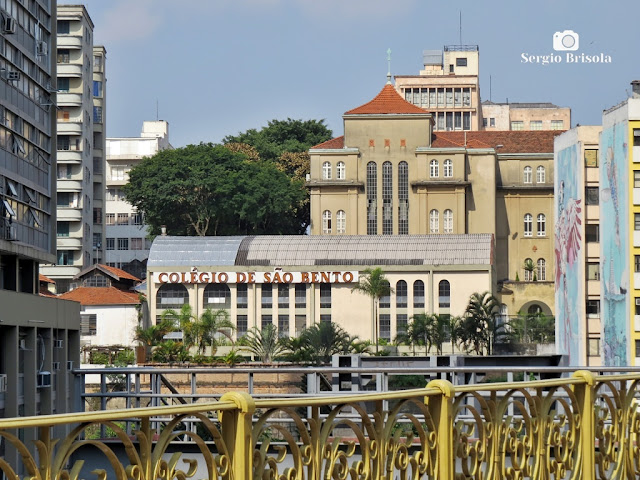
pixel 481 328
pixel 416 333
pixel 375 285
pixel 325 339
pixel 151 336
pixel 211 325
pixel 264 343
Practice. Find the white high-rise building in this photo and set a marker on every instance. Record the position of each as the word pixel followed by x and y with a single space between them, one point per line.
pixel 127 246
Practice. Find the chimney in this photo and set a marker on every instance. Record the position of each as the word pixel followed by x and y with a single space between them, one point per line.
pixel 163 230
pixel 635 87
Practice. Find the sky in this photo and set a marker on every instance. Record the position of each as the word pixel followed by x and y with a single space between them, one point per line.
pixel 213 68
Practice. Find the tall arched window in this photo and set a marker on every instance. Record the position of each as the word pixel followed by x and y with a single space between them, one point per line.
pixel 528 225
pixel 172 295
pixel 434 221
pixel 434 169
pixel 542 225
pixel 542 269
pixel 418 294
pixel 340 171
pixel 401 294
pixel 527 175
pixel 326 222
pixel 217 296
pixel 387 198
pixel 448 168
pixel 528 274
pixel 403 198
pixel 372 198
pixel 540 174
pixel 326 171
pixel 448 221
pixel 444 294
pixel 341 222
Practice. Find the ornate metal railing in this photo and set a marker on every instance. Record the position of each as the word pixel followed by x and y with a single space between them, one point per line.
pixel 581 427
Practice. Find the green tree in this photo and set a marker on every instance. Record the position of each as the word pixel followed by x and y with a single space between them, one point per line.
pixel 416 334
pixel 374 285
pixel 530 267
pixel 324 339
pixel 264 343
pixel 481 328
pixel 208 189
pixel 533 328
pixel 203 331
pixel 153 335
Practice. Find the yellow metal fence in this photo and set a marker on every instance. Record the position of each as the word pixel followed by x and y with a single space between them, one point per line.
pixel 581 427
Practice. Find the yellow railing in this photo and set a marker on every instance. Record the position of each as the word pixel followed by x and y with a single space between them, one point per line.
pixel 581 427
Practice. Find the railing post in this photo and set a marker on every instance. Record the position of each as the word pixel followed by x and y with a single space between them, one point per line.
pixel 236 431
pixel 585 394
pixel 441 410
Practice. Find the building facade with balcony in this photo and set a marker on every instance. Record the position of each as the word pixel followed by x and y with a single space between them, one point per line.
pixel 99 151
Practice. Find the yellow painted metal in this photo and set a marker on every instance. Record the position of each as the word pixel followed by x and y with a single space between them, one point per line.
pixel 583 427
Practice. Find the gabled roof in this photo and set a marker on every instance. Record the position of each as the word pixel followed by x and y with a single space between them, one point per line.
pixel 101 296
pixel 388 101
pixel 113 272
pixel 43 279
pixel 510 141
pixel 334 143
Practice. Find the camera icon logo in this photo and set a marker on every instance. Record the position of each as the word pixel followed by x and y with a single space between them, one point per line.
pixel 566 41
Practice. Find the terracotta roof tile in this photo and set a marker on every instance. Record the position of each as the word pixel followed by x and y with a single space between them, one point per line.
pixel 388 101
pixel 101 296
pixel 537 141
pixel 43 279
pixel 336 143
pixel 120 273
pixel 47 293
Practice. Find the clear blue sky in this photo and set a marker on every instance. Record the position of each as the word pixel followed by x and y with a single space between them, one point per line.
pixel 218 67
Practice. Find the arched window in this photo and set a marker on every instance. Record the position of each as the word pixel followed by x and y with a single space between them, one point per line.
pixel 534 309
pixel 527 175
pixel 403 198
pixel 542 269
pixel 341 222
pixel 503 316
pixel 542 225
pixel 540 174
pixel 401 294
pixel 418 294
pixel 217 296
pixel 434 169
pixel 528 272
pixel 326 171
pixel 448 168
pixel 387 198
pixel 448 221
pixel 326 222
pixel 434 221
pixel 340 171
pixel 372 198
pixel 172 295
pixel 444 294
pixel 528 225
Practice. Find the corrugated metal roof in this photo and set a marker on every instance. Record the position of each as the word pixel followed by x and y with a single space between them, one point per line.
pixel 301 250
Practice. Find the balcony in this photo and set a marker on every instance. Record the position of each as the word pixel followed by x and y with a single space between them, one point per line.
pixel 66 99
pixel 71 41
pixel 65 214
pixel 69 243
pixel 69 185
pixel 72 127
pixel 69 70
pixel 69 156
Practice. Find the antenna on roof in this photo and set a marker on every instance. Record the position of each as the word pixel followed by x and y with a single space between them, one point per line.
pixel 157 116
pixel 489 87
pixel 389 66
pixel 460 27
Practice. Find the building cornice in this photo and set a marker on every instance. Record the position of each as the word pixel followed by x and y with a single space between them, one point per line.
pixel 335 151
pixel 440 183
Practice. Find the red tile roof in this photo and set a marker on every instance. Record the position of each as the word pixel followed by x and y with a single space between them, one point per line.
pixel 46 293
pixel 519 141
pixel 388 101
pixel 337 142
pixel 43 279
pixel 101 296
pixel 119 273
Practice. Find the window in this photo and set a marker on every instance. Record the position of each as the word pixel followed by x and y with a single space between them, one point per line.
pixel 110 218
pixel 63 87
pixel 217 296
pixel 241 295
pixel 636 179
pixel 88 324
pixel 326 171
pixel 401 323
pixel 123 219
pixel 401 294
pixel 540 174
pixel 136 243
pixel 172 295
pixel 542 225
pixel 325 295
pixel 97 240
pixel 63 26
pixel 97 62
pixel 301 324
pixel 448 221
pixel 528 225
pixel 593 195
pixel 123 244
pixel 461 62
pixel 542 269
pixel 636 137
pixel 341 222
pixel 592 232
pixel 266 320
pixel 492 121
pixel 434 169
pixel 418 294
pixel 535 125
pixel 136 218
pixel 326 222
pixel 96 280
pixel 387 198
pixel 242 325
pixel 557 124
pixel 64 171
pixel 385 301
pixel 63 229
pixel 97 215
pixel 444 294
pixel 283 326
pixel 65 257
pixel 527 175
pixel 301 295
pixel 325 318
pixel 267 295
pixel 636 221
pixel 283 295
pixel 636 263
pixel 403 198
pixel 372 198
pixel 97 89
pixel 528 272
pixel 594 347
pixel 385 326
pixel 340 171
pixel 517 125
pixel 434 221
pixel 593 308
pixel 591 157
pixel 593 271
pixel 118 173
pixel 448 168
pixel 485 122
pixel 111 243
pixel 97 114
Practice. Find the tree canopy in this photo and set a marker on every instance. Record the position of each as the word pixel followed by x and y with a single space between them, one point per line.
pixel 208 189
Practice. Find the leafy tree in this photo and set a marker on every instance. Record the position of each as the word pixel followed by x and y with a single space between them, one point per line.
pixel 480 328
pixel 153 335
pixel 325 339
pixel 375 285
pixel 208 189
pixel 428 330
pixel 171 351
pixel 416 333
pixel 533 327
pixel 264 343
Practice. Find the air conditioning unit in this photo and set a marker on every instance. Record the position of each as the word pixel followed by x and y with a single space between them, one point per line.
pixel 3 383
pixel 42 48
pixel 55 365
pixel 58 343
pixel 8 24
pixel 13 76
pixel 44 379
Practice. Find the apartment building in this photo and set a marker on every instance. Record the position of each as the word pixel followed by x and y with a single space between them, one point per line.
pixel 524 116
pixel 127 245
pixel 75 145
pixel 99 152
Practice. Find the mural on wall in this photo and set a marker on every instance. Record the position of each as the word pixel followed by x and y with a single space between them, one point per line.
pixel 614 232
pixel 569 234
